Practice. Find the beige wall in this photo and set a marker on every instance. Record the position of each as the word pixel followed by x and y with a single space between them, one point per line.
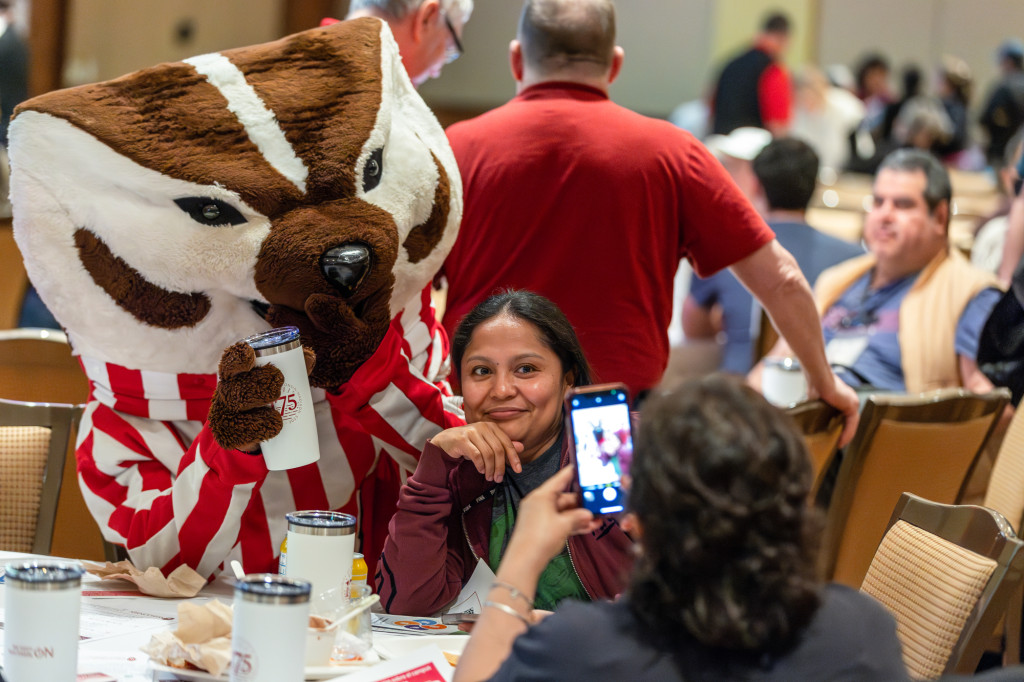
pixel 920 32
pixel 673 47
pixel 735 21
pixel 108 38
pixel 667 44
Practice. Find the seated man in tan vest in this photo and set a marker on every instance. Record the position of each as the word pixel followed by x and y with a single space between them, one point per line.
pixel 906 316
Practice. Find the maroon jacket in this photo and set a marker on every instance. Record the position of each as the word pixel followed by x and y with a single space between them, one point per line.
pixel 442 526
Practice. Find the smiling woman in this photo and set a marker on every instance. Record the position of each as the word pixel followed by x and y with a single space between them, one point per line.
pixel 516 356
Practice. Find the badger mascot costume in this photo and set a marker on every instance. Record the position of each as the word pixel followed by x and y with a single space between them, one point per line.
pixel 166 215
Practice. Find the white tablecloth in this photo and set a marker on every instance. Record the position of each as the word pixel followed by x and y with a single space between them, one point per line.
pixel 116 621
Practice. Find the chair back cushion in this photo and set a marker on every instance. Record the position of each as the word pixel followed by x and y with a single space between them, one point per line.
pixel 1005 491
pixel 926 459
pixel 23 451
pixel 931 586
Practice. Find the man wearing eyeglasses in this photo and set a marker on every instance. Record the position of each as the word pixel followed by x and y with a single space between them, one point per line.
pixel 428 32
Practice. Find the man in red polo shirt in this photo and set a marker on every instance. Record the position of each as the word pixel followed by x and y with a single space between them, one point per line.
pixel 574 197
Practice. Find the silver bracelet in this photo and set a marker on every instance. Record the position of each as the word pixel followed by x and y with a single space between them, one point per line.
pixel 509 610
pixel 514 592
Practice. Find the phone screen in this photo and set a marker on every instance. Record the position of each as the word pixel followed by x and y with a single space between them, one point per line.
pixel 604 447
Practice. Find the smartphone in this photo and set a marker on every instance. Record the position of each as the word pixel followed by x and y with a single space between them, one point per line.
pixel 456 618
pixel 599 420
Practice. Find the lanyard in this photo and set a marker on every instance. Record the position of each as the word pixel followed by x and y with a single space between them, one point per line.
pixel 866 315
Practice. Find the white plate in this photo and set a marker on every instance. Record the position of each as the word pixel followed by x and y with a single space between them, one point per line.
pixel 311 672
pixel 396 647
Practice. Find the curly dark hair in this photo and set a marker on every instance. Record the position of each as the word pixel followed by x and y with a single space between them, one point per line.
pixel 720 484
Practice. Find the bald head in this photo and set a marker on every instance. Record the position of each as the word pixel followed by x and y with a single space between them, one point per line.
pixel 567 35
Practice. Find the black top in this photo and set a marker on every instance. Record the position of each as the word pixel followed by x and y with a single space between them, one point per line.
pixel 1002 115
pixel 736 95
pixel 13 76
pixel 852 637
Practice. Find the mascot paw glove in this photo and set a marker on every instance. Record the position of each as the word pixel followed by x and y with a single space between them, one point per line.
pixel 242 413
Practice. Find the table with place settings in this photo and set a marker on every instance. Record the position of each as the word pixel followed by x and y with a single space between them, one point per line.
pixel 117 620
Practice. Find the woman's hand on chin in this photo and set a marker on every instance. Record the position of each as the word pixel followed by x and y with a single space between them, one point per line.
pixel 484 444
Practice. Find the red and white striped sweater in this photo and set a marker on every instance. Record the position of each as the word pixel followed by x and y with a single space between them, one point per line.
pixel 157 482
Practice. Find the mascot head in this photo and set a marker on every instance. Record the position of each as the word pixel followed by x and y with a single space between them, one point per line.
pixel 168 213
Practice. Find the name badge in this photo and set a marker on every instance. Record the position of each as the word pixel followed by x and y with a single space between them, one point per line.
pixel 846 350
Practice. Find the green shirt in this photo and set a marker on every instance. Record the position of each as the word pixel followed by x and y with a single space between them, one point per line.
pixel 559 580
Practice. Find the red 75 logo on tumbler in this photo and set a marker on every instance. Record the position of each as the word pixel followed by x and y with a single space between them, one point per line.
pixel 289 404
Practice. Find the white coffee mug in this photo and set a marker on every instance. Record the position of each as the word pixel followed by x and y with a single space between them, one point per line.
pixel 297 444
pixel 783 382
pixel 268 630
pixel 319 549
pixel 42 603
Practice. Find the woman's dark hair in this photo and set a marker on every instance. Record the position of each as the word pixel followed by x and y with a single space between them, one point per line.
pixel 870 62
pixel 911 81
pixel 720 484
pixel 554 328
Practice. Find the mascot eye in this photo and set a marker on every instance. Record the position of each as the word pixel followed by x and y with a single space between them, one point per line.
pixel 209 211
pixel 373 169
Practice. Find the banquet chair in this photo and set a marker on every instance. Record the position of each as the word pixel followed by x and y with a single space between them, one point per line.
pixel 944 571
pixel 766 338
pixel 13 278
pixel 845 224
pixel 34 441
pixel 1005 494
pixel 37 365
pixel 821 425
pixel 925 444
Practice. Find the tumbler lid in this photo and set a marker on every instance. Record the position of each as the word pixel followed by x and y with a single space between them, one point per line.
pixel 321 523
pixel 785 364
pixel 274 341
pixel 40 574
pixel 271 588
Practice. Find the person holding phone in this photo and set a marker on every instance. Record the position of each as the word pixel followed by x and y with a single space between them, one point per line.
pixel 516 358
pixel 724 586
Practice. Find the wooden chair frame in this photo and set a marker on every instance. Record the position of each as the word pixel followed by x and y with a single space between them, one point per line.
pixel 822 425
pixel 13 278
pixel 942 406
pixel 984 532
pixel 62 420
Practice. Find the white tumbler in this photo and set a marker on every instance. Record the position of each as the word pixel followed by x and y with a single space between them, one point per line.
pixel 319 549
pixel 42 602
pixel 297 443
pixel 268 631
pixel 783 382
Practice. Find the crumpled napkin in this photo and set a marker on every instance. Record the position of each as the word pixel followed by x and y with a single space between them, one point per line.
pixel 182 582
pixel 202 640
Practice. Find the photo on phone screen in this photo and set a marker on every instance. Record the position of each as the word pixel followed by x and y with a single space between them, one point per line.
pixel 604 446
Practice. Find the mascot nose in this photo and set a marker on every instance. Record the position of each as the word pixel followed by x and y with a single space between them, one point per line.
pixel 345 266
